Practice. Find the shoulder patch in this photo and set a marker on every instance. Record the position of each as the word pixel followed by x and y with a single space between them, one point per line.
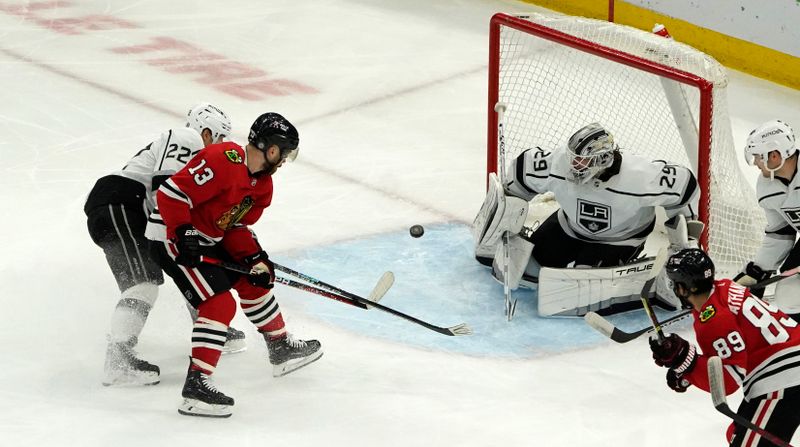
pixel 233 156
pixel 707 313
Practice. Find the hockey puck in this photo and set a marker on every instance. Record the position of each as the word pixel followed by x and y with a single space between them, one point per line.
pixel 416 231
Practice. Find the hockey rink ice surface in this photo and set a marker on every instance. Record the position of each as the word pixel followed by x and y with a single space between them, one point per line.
pixel 390 101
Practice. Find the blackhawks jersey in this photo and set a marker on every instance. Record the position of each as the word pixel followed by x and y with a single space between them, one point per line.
pixel 215 193
pixel 758 344
pixel 618 211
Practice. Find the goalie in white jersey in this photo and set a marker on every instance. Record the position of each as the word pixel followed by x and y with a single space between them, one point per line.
pixel 607 210
pixel 117 210
pixel 773 149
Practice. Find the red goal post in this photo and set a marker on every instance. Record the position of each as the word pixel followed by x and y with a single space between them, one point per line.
pixel 659 97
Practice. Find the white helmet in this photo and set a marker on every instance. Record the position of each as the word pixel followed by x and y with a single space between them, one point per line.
pixel 590 150
pixel 771 136
pixel 206 116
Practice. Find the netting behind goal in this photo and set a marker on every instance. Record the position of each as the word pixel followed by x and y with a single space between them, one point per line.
pixel 659 98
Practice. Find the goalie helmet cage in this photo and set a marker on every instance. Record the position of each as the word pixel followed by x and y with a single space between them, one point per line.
pixel 660 98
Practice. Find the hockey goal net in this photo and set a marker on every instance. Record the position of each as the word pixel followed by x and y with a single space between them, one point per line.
pixel 660 98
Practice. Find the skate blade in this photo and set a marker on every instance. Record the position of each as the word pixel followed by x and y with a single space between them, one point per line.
pixel 234 346
pixel 294 364
pixel 125 379
pixel 194 407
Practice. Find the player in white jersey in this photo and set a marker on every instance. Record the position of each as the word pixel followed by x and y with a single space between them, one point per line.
pixel 117 210
pixel 773 149
pixel 607 209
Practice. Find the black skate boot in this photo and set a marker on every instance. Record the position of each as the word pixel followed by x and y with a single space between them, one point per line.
pixel 287 354
pixel 122 367
pixel 201 398
pixel 234 342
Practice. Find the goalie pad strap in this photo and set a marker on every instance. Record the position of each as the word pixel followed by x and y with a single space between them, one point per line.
pixel 574 291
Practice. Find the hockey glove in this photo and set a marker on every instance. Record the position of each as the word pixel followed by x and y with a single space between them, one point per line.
pixel 675 353
pixel 752 274
pixel 187 240
pixel 677 382
pixel 262 271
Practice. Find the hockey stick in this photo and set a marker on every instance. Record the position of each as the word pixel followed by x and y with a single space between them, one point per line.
pixel 716 380
pixel 285 281
pixel 780 277
pixel 511 306
pixel 658 265
pixel 608 329
pixel 383 285
pixel 461 329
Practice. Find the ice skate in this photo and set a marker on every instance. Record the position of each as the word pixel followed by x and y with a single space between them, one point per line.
pixel 235 341
pixel 122 367
pixel 288 354
pixel 201 397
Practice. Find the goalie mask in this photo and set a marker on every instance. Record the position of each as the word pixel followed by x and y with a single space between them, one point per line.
pixel 691 269
pixel 590 151
pixel 206 116
pixel 273 129
pixel 771 136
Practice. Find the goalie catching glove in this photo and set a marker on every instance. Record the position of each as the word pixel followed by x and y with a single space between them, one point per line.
pixel 262 270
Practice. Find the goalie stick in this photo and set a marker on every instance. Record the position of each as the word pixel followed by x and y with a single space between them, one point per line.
pixel 350 298
pixel 511 306
pixel 716 380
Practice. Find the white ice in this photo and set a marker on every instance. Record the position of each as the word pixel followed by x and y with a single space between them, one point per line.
pixel 393 134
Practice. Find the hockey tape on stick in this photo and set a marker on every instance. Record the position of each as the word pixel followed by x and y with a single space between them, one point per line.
pixel 716 380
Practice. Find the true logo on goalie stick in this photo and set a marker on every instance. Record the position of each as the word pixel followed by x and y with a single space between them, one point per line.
pixel 594 217
pixel 233 156
pixel 707 313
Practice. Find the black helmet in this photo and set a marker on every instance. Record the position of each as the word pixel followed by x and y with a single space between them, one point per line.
pixel 272 128
pixel 691 268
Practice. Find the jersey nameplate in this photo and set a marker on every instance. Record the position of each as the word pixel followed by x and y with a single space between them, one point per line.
pixel 594 217
pixel 707 313
pixel 233 156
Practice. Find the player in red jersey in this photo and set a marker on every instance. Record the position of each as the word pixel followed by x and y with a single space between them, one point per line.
pixel 205 210
pixel 759 346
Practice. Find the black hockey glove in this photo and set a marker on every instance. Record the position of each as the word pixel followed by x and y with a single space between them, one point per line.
pixel 262 271
pixel 753 274
pixel 187 240
pixel 675 353
pixel 677 382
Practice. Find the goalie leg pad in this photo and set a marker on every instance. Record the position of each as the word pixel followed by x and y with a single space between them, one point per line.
pixel 498 214
pixel 786 295
pixel 574 292
pixel 519 255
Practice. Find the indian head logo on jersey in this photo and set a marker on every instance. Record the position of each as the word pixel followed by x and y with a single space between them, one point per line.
pixel 707 313
pixel 594 217
pixel 233 156
pixel 235 214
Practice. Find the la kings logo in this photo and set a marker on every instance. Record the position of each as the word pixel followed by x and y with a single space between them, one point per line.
pixel 792 216
pixel 594 217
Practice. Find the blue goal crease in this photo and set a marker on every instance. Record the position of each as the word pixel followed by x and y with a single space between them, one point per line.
pixel 438 281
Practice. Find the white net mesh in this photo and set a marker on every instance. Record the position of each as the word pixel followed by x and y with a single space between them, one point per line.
pixel 551 90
